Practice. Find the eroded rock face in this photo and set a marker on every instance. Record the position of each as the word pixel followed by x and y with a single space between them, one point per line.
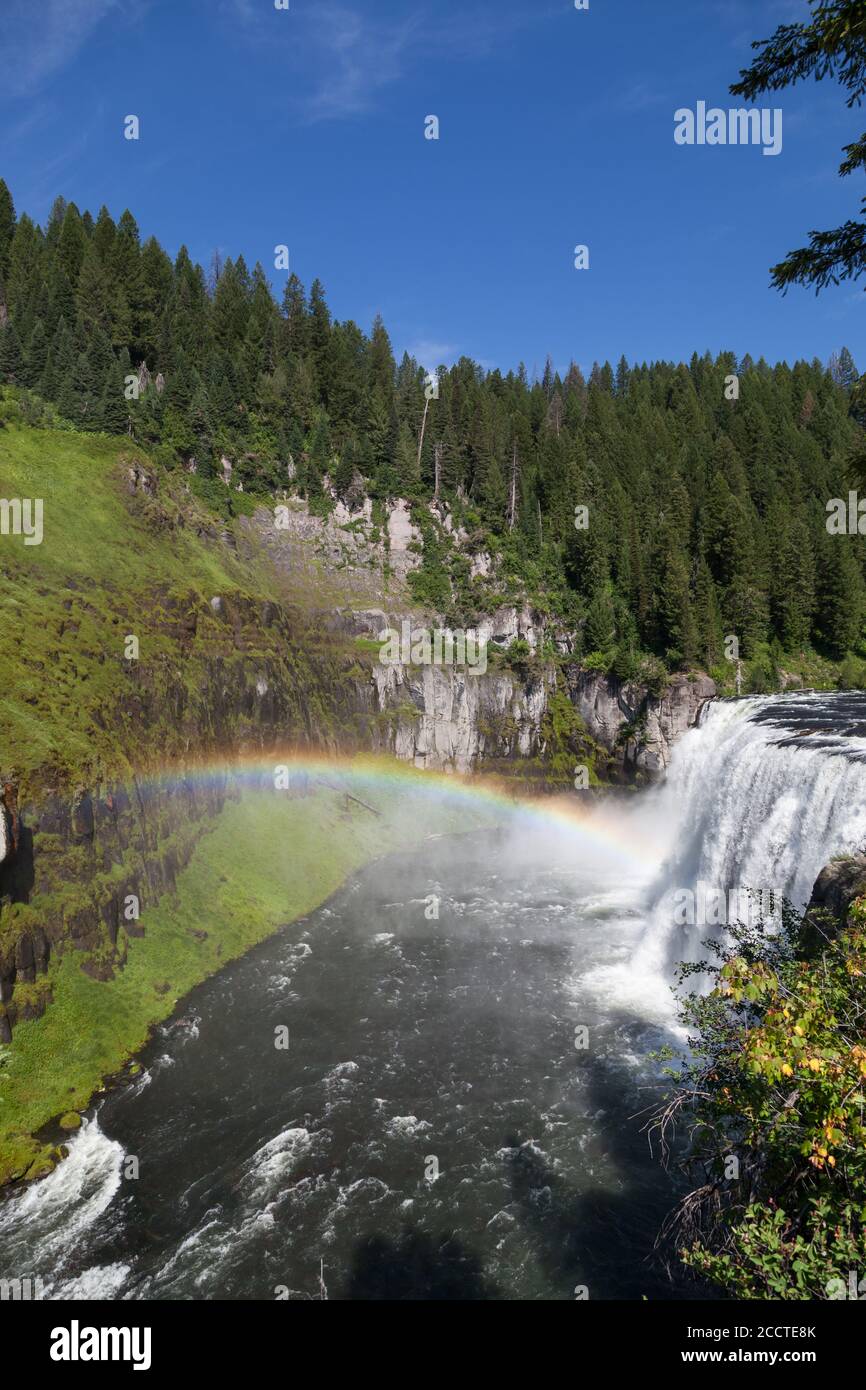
pixel 836 887
pixel 641 728
pixel 511 624
pixel 345 544
pixel 10 828
pixel 82 865
pixel 140 480
pixel 402 536
pixel 144 835
pixel 447 719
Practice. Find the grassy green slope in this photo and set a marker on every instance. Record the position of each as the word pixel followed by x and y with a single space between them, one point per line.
pixel 108 565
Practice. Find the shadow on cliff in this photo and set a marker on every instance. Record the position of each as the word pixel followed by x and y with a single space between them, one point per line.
pixel 17 874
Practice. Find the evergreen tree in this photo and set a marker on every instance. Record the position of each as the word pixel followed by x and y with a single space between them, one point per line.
pixel 7 228
pixel 839 598
pixel 600 629
pixel 35 355
pixel 11 354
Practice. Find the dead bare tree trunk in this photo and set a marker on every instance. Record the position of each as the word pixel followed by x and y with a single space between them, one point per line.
pixel 421 437
pixel 512 501
pixel 437 470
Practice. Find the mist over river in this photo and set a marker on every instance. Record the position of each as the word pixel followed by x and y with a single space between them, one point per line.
pixel 435 1128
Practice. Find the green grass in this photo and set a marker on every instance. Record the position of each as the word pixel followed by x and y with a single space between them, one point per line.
pixel 115 562
pixel 267 861
pixel 89 531
pixel 110 564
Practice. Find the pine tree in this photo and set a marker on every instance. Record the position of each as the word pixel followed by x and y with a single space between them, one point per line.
pixel 600 629
pixel 35 355
pixel 114 408
pixel 839 597
pixel 11 354
pixel 792 593
pixel 677 634
pixel 7 228
pixel 708 619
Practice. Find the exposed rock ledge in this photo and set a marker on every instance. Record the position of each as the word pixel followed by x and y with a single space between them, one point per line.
pixel 445 718
pixel 634 723
pixel 836 887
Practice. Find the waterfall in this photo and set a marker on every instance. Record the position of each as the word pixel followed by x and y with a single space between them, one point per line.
pixel 758 798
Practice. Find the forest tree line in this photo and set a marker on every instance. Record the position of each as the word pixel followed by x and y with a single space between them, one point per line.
pixel 707 502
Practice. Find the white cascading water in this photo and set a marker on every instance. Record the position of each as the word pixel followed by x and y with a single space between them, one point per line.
pixel 759 797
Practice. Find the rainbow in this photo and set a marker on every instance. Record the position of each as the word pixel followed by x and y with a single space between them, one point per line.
pixel 369 778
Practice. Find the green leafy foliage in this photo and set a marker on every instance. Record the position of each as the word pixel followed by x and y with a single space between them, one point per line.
pixel 772 1094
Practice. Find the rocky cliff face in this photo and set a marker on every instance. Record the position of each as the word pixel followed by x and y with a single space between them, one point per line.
pixel 82 871
pixel 445 718
pixel 635 724
pixel 82 862
pixel 836 887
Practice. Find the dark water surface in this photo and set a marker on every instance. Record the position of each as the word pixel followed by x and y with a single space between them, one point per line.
pixel 415 1045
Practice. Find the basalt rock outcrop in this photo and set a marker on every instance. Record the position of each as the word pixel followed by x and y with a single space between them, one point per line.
pixel 82 862
pixel 639 725
pixel 446 718
pixel 836 887
pixel 84 872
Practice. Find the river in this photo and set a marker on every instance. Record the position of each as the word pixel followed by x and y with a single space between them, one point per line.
pixel 436 1086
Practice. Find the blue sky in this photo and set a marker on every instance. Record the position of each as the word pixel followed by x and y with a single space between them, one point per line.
pixel 306 127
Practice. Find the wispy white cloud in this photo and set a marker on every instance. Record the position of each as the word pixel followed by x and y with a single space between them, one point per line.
pixel 344 58
pixel 36 40
pixel 432 354
pixel 357 59
pixel 640 96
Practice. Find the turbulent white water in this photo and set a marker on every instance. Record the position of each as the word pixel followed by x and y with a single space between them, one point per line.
pixel 759 797
pixel 51 1216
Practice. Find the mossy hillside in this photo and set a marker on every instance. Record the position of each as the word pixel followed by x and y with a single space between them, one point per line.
pixel 266 861
pixel 66 605
pixel 114 562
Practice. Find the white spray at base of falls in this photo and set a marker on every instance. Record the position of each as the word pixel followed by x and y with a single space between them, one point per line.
pixel 42 1227
pixel 752 801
